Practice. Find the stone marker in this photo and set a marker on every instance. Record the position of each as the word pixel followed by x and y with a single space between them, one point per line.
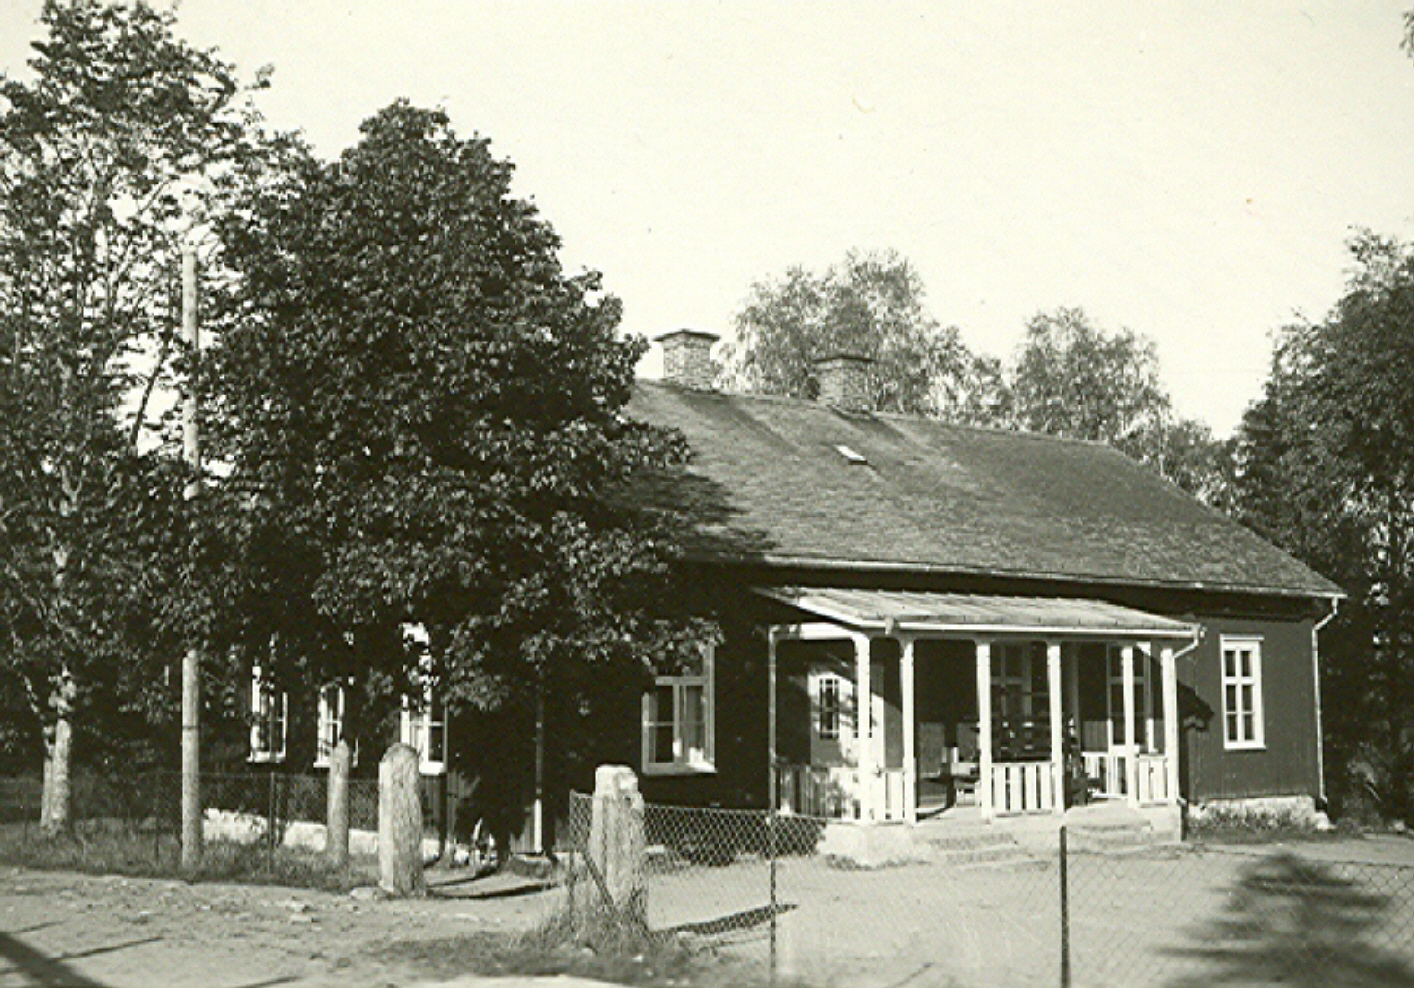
pixel 616 842
pixel 400 823
pixel 336 829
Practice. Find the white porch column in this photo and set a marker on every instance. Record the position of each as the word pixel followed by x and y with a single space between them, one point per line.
pixel 910 741
pixel 864 727
pixel 1170 685
pixel 1053 683
pixel 984 729
pixel 1131 749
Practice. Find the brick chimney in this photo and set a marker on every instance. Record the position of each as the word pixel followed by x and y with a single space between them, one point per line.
pixel 845 381
pixel 687 358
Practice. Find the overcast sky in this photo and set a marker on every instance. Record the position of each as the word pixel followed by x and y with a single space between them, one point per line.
pixel 1189 170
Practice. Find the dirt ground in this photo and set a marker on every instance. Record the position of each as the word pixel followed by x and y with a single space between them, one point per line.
pixel 59 928
pixel 1330 912
pixel 1341 912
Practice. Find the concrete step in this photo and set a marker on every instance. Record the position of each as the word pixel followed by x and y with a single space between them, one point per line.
pixel 1110 837
pixel 970 845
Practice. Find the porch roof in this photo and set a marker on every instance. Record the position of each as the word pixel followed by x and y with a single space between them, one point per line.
pixel 892 611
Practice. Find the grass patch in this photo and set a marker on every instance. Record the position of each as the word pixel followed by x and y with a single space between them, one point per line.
pixel 592 944
pixel 120 850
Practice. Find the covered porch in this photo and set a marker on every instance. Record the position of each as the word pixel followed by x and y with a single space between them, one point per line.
pixel 922 704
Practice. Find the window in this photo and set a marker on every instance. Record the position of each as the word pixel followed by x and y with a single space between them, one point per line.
pixel 423 725
pixel 269 713
pixel 425 728
pixel 827 709
pixel 331 724
pixel 1020 684
pixel 1145 736
pixel 1242 693
pixel 678 721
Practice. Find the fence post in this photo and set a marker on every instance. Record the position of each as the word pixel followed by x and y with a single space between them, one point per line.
pixel 1064 912
pixel 771 851
pixel 155 779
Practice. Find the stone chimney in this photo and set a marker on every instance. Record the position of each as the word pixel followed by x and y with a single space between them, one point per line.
pixel 845 381
pixel 687 358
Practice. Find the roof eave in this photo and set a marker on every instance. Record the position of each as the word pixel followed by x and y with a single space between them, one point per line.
pixel 782 561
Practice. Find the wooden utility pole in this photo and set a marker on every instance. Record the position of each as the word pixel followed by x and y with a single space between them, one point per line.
pixel 537 812
pixel 191 662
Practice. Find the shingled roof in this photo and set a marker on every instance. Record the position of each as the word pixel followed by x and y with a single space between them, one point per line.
pixel 818 487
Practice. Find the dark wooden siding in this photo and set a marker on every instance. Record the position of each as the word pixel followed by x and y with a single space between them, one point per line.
pixel 1287 765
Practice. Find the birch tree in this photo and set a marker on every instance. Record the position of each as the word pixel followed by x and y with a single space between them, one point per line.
pixel 116 118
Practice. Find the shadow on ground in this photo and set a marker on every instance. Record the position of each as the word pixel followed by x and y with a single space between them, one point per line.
pixel 1295 921
pixel 38 968
pixel 747 919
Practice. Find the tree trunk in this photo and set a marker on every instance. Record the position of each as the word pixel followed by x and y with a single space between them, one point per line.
pixel 56 813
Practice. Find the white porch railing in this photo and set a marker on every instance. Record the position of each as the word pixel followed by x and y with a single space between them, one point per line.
pixel 1108 768
pixel 1153 778
pixel 1023 787
pixel 836 792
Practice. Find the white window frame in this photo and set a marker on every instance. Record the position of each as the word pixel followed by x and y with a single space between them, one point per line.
pixel 421 722
pixel 834 687
pixel 1237 681
pixel 1013 675
pixel 1145 726
pixel 333 698
pixel 419 725
pixel 269 717
pixel 684 761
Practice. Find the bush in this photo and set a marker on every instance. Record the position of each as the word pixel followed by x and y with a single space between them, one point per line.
pixel 1249 823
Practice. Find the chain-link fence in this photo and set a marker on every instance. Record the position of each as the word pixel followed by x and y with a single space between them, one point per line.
pixel 271 809
pixel 805 900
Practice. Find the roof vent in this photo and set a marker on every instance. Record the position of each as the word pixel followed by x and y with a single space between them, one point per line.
pixel 853 456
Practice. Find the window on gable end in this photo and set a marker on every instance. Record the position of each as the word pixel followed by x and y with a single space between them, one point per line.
pixel 1242 693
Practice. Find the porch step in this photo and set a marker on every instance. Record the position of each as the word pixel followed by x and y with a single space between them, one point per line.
pixel 980 845
pixel 1109 828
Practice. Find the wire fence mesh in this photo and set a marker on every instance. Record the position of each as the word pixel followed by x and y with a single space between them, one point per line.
pixel 267 808
pixel 805 900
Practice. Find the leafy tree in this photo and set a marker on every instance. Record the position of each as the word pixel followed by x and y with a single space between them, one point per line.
pixel 1073 379
pixel 95 152
pixel 1327 471
pixel 422 416
pixel 871 304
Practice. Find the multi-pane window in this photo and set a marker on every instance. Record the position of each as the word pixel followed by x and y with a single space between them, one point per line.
pixel 331 723
pixel 1020 687
pixel 423 724
pixel 828 707
pixel 269 715
pixel 678 722
pixel 1242 693
pixel 424 727
pixel 1143 698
